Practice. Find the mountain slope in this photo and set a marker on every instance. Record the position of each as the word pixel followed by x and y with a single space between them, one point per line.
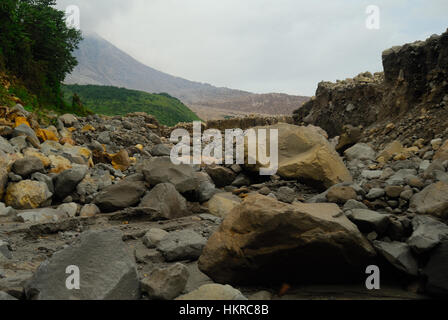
pixel 112 101
pixel 101 63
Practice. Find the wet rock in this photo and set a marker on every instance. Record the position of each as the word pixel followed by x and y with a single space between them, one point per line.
pixel 166 284
pixel 166 201
pixel 222 203
pixel 121 195
pixel 214 292
pixel 182 245
pixel 27 194
pixel 107 271
pixel 267 232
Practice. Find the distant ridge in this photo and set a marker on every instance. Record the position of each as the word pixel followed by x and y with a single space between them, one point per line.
pixel 101 63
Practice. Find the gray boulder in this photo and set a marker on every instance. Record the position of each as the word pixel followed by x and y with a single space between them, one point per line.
pixel 166 201
pixel 221 176
pixel 368 220
pixel 26 166
pixel 121 195
pixel 66 182
pixel 107 271
pixel 166 284
pixel 182 245
pixel 428 233
pixel 162 170
pixel 360 151
pixel 399 255
pixel 436 273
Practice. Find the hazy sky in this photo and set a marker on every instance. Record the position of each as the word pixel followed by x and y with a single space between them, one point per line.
pixel 260 45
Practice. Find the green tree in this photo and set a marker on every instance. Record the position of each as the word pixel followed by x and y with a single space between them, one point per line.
pixel 36 45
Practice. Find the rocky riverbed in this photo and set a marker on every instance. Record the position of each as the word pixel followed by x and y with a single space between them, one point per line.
pixel 101 194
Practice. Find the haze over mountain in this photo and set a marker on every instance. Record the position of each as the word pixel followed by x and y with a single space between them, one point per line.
pixel 101 63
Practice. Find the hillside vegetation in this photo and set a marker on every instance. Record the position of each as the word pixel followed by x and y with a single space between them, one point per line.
pixel 35 54
pixel 112 101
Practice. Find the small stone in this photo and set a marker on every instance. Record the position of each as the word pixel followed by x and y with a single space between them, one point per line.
pixel 214 292
pixel 89 210
pixel 375 193
pixel 341 194
pixel 394 191
pixel 166 284
pixel 153 237
pixel 286 194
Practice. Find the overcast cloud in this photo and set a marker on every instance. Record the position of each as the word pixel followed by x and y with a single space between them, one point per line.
pixel 260 45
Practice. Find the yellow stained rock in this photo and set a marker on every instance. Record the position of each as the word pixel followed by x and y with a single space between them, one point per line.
pixel 22 120
pixel 120 161
pixel 27 194
pixel 59 164
pixel 139 147
pixel 44 135
pixel 87 128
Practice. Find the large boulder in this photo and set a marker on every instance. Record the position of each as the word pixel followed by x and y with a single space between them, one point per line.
pixel 166 201
pixel 428 233
pixel 27 194
pixel 436 273
pixel 120 196
pixel 307 155
pixel 433 200
pixel 162 170
pixel 257 237
pixel 181 245
pixel 222 203
pixel 107 270
pixel 399 255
